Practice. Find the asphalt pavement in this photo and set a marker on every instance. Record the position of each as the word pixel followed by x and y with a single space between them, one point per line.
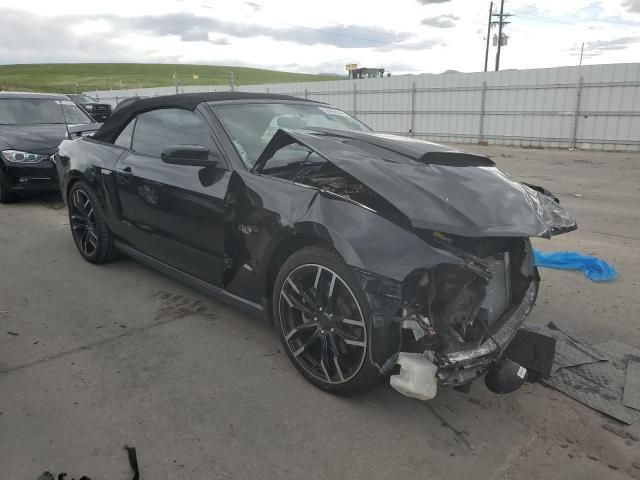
pixel 105 356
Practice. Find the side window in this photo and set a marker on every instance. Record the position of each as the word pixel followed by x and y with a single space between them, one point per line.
pixel 124 139
pixel 158 129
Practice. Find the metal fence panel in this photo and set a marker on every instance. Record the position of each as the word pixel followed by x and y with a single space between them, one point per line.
pixel 595 106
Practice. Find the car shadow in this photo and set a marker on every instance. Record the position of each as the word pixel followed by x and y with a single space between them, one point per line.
pixel 47 199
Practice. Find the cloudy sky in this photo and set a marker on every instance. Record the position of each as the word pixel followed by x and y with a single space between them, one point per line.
pixel 405 36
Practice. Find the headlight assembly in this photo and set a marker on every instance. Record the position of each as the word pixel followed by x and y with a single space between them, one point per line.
pixel 17 156
pixel 88 107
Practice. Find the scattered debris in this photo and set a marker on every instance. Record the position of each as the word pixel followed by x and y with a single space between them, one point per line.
pixel 631 395
pixel 600 385
pixel 15 334
pixel 133 461
pixel 605 377
pixel 62 476
pixel 569 351
pixel 533 350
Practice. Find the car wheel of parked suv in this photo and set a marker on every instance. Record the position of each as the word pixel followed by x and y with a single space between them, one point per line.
pixel 322 320
pixel 6 196
pixel 90 231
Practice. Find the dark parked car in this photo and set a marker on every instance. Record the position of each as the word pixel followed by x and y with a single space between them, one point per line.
pixel 99 111
pixel 373 254
pixel 32 125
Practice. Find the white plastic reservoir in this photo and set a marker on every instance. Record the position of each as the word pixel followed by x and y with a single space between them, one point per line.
pixel 417 377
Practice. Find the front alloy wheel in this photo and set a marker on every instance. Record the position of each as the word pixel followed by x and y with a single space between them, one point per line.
pixel 322 324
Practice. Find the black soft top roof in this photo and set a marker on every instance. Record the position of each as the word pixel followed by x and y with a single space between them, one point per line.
pixel 186 101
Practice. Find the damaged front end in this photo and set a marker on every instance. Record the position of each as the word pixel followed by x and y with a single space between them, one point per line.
pixel 454 320
pixel 444 313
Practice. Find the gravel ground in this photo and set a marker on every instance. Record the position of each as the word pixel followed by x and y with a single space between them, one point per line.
pixel 118 354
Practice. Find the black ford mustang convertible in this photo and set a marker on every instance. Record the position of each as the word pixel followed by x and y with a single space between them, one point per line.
pixel 373 254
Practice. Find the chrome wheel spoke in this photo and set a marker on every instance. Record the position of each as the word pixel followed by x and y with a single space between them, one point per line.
pixel 348 321
pixel 336 354
pixel 350 340
pixel 292 298
pixel 332 298
pixel 323 356
pixel 299 329
pixel 314 336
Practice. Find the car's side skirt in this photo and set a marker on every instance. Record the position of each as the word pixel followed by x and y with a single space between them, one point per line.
pixel 217 292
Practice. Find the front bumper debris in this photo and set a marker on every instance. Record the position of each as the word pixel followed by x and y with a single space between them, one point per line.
pixel 460 367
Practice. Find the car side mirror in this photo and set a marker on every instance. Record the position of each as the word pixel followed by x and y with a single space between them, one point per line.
pixel 191 155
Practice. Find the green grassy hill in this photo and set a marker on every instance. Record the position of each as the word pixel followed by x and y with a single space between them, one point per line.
pixel 82 77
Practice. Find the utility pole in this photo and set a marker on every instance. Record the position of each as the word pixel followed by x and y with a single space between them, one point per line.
pixel 500 23
pixel 232 81
pixel 175 81
pixel 490 24
pixel 581 52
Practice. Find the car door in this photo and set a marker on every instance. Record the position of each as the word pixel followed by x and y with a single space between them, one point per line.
pixel 174 213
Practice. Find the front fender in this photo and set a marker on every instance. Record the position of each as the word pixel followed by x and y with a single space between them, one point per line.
pixel 266 214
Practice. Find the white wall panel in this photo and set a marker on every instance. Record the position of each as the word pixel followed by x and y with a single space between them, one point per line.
pixel 521 107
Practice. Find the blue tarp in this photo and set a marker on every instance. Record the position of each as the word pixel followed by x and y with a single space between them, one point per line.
pixel 594 268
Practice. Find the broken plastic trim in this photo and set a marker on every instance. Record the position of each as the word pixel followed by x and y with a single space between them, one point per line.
pixel 503 335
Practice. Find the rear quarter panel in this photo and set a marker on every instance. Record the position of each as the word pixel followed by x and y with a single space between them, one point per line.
pixel 94 163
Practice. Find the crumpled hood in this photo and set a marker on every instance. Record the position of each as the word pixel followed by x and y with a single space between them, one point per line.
pixel 42 139
pixel 435 187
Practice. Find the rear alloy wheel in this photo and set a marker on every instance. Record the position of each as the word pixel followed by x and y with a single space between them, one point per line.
pixel 322 324
pixel 90 231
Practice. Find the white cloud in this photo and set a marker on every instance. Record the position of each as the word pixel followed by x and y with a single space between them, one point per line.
pixel 403 36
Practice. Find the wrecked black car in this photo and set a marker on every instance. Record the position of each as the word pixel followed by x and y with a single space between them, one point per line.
pixel 373 254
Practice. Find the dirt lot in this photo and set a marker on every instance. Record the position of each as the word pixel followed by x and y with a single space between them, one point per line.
pixel 119 354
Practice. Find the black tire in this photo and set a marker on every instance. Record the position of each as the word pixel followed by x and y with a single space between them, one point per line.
pixel 6 196
pixel 330 350
pixel 88 227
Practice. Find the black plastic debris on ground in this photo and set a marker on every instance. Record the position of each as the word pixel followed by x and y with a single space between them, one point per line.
pixel 600 385
pixel 569 351
pixel 133 462
pixel 62 476
pixel 533 350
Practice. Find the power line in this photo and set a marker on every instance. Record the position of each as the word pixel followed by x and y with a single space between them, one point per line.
pixel 542 19
pixel 550 19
